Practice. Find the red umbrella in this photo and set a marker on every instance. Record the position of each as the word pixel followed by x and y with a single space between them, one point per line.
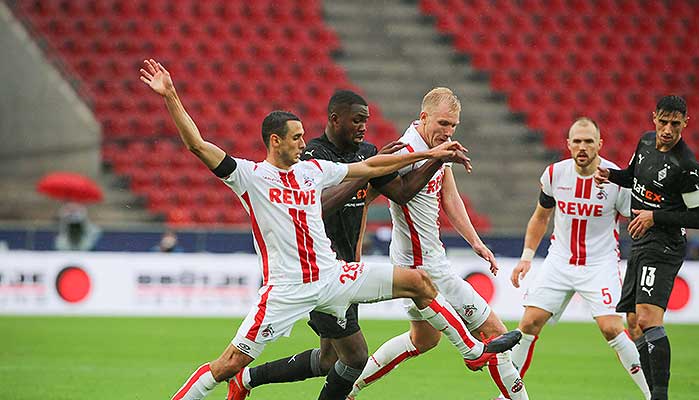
pixel 70 186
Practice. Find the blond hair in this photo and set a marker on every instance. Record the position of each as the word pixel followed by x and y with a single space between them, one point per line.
pixel 440 95
pixel 584 122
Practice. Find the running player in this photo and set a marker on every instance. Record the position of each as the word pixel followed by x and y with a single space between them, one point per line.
pixel 300 271
pixel 343 216
pixel 583 257
pixel 664 177
pixel 415 245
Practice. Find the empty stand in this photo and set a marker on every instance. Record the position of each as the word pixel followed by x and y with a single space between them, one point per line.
pixel 232 63
pixel 557 60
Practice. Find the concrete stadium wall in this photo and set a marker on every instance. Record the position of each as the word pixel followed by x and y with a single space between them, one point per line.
pixel 44 125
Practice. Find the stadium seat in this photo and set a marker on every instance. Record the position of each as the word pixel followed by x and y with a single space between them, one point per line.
pixel 592 49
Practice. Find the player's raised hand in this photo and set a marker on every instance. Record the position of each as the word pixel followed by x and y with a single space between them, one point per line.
pixel 520 272
pixel 460 158
pixel 156 76
pixel 446 151
pixel 484 252
pixel 392 147
pixel 601 176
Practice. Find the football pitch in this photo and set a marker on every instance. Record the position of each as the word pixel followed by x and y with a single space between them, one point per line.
pixel 149 358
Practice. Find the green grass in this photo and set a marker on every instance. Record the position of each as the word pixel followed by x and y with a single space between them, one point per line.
pixel 149 358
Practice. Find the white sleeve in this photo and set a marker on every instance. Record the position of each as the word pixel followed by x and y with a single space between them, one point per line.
pixel 546 181
pixel 239 179
pixel 623 202
pixel 333 173
pixel 407 168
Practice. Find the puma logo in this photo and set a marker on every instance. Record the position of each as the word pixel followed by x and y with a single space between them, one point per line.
pixel 695 173
pixel 310 152
pixel 648 290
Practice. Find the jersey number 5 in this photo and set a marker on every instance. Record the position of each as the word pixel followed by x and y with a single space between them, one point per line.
pixel 607 297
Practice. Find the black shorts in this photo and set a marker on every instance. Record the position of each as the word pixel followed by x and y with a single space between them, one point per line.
pixel 650 275
pixel 329 327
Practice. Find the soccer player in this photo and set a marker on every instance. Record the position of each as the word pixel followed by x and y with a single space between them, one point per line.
pixel 300 270
pixel 663 176
pixel 583 257
pixel 343 206
pixel 415 245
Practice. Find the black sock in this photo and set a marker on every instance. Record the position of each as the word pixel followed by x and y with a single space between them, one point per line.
pixel 642 347
pixel 659 355
pixel 295 368
pixel 339 382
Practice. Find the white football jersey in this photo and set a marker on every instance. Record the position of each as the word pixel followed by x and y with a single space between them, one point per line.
pixel 586 228
pixel 415 235
pixel 286 216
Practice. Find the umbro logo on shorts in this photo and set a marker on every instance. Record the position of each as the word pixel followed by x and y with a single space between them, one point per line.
pixel 518 385
pixel 244 348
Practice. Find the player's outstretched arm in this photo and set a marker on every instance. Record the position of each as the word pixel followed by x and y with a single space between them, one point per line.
pixel 403 188
pixel 383 164
pixel 158 79
pixel 536 228
pixel 458 216
pixel 334 198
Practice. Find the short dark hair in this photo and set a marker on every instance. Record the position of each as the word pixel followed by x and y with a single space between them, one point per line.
pixel 672 104
pixel 344 98
pixel 275 122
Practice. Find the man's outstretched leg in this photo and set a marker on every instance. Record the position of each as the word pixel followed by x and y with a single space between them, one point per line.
pixel 207 376
pixel 345 335
pixel 433 308
pixel 421 338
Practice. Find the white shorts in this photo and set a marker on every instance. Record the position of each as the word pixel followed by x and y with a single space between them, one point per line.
pixel 557 281
pixel 472 308
pixel 279 306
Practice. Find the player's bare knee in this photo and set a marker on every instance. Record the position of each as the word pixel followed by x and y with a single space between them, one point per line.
pixel 327 360
pixel 229 363
pixel 611 331
pixel 424 286
pixel 356 359
pixel 530 326
pixel 425 342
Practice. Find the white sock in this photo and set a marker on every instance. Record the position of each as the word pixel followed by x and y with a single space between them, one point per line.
pixel 522 353
pixel 198 386
pixel 628 355
pixel 246 378
pixel 442 316
pixel 506 377
pixel 384 360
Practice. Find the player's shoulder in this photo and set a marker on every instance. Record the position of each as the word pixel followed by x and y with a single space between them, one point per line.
pixel 318 148
pixel 244 163
pixel 367 150
pixel 647 139
pixel 686 157
pixel 558 167
pixel 604 163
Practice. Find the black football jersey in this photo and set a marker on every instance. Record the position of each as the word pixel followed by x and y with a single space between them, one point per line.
pixel 658 181
pixel 343 226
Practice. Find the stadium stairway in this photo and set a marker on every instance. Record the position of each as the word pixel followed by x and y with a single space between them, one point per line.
pixel 57 138
pixel 397 55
